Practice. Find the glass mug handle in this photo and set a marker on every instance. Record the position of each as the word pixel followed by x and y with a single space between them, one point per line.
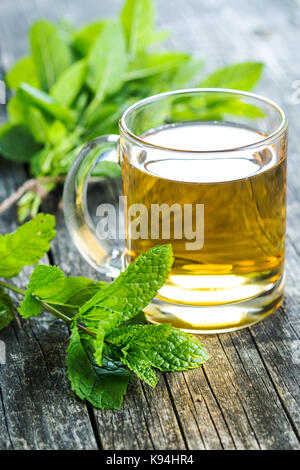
pixel 101 254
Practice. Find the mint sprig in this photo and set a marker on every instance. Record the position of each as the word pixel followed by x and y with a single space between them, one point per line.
pixel 109 334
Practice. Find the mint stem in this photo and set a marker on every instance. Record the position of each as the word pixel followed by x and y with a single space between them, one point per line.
pixel 64 317
pixel 56 313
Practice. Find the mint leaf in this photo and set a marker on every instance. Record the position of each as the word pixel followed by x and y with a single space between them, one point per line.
pixel 160 346
pixel 99 344
pixel 23 71
pixel 152 64
pixel 41 281
pixel 139 336
pixel 137 19
pixel 74 292
pixel 6 309
pixel 134 288
pixel 139 319
pixel 108 170
pixel 102 321
pixel 17 143
pixel 127 295
pixel 134 342
pixel 186 73
pixel 34 120
pixel 141 366
pixel 236 107
pixel 56 132
pixel 241 76
pixel 45 102
pixel 37 123
pixel 179 351
pixel 26 245
pixel 104 386
pixel 51 54
pixel 104 120
pixel 86 37
pixel 16 110
pixel 107 63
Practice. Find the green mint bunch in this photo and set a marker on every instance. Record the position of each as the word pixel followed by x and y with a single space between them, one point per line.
pixel 75 84
pixel 110 339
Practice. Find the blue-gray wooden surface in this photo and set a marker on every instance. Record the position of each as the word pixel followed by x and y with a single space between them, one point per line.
pixel 247 396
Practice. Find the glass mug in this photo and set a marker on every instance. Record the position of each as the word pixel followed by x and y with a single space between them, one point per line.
pixel 204 170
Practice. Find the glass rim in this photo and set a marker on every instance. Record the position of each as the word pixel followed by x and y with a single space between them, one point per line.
pixel 262 142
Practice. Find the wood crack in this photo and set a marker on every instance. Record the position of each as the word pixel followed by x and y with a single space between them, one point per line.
pixel 219 407
pixel 195 415
pixel 5 419
pixel 175 412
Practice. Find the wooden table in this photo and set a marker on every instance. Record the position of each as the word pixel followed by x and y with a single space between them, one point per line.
pixel 247 396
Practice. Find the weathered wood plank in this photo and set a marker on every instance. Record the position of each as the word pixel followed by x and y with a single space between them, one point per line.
pixel 5 439
pixel 278 342
pixel 235 405
pixel 200 415
pixel 231 413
